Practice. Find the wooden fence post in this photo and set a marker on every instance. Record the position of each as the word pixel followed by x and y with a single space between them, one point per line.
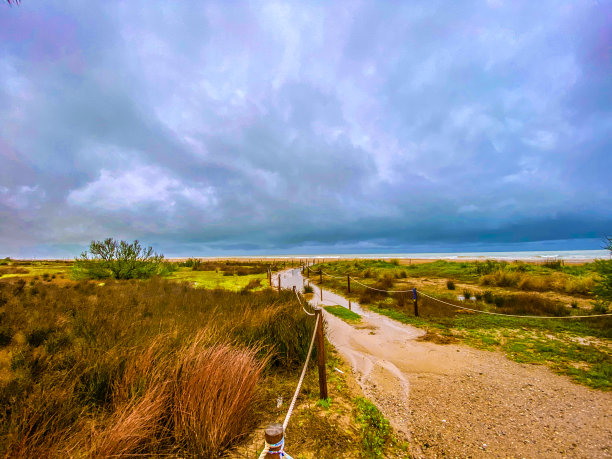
pixel 416 306
pixel 349 305
pixel 348 283
pixel 274 434
pixel 320 276
pixel 279 281
pixel 321 356
pixel 307 271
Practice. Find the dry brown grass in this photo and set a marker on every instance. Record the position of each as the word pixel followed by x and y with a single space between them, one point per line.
pixel 13 270
pixel 215 388
pixel 137 367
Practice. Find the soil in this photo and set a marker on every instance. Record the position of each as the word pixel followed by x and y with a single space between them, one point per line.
pixel 450 400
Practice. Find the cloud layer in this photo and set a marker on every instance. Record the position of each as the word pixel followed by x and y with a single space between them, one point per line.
pixel 273 127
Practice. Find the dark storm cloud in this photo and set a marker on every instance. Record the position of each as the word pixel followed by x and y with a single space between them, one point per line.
pixel 288 126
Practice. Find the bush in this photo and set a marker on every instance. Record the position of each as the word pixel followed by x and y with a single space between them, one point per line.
pixel 530 304
pixel 603 285
pixel 450 285
pixel 120 260
pixel 308 288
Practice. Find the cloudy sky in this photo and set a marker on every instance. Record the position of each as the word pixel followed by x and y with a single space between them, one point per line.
pixel 211 128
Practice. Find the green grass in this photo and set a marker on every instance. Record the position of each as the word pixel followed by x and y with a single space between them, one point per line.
pixel 343 313
pixel 212 279
pixel 377 438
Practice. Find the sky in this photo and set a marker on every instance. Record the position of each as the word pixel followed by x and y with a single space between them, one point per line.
pixel 237 128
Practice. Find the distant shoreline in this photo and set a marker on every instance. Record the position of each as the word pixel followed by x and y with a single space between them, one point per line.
pixel 568 256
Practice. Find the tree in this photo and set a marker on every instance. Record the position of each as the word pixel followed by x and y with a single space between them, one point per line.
pixel 118 259
pixel 603 285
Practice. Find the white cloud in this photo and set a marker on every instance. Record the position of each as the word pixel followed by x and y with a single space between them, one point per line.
pixel 141 186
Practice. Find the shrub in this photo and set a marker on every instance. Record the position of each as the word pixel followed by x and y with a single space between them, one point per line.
pixel 531 304
pixel 253 283
pixel 467 294
pixel 603 285
pixel 450 285
pixel 308 288
pixel 118 259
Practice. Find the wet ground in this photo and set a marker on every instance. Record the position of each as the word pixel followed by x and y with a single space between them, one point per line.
pixel 451 400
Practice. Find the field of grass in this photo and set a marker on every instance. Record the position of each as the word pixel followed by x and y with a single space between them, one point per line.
pixel 572 279
pixel 579 348
pixel 214 279
pixel 131 368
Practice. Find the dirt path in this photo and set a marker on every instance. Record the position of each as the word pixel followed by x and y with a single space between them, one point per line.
pixel 455 401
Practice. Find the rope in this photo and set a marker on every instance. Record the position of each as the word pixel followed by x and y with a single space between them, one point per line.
pixel 512 315
pixel 267 447
pixel 265 451
pixel 386 291
pixel 299 386
pixel 331 275
pixel 301 304
pixel 281 451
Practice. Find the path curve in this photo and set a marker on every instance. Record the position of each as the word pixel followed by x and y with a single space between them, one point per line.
pixel 453 400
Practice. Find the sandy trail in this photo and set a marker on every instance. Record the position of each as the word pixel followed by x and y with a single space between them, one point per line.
pixel 451 400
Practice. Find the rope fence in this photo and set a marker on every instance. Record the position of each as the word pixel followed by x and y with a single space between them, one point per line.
pixel 414 292
pixel 275 433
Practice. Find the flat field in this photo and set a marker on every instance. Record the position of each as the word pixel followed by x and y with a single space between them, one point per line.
pixel 127 368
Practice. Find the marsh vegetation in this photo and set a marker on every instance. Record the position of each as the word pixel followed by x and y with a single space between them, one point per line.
pixel 580 348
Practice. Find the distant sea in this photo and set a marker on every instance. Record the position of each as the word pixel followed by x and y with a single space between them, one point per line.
pixel 535 255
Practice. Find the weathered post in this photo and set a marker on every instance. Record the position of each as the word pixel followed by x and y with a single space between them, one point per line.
pixel 274 437
pixel 349 305
pixel 279 281
pixel 321 356
pixel 348 283
pixel 320 276
pixel 416 306
pixel 307 271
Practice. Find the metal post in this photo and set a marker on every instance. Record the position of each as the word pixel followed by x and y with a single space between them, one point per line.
pixel 416 306
pixel 321 356
pixel 274 435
